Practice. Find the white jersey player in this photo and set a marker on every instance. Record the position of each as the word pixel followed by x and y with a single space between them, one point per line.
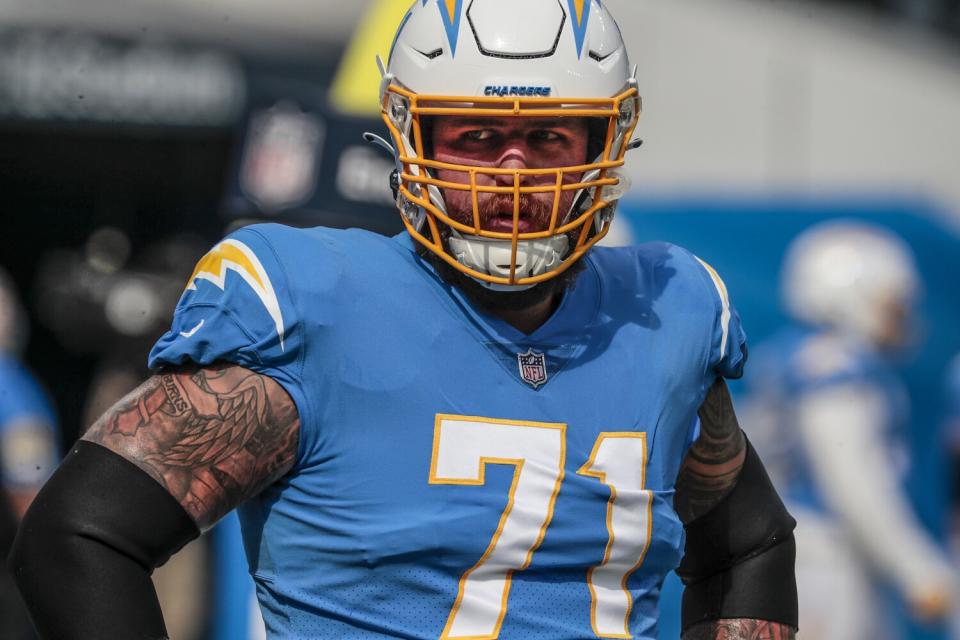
pixel 825 408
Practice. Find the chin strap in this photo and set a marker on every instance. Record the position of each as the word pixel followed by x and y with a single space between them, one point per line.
pixel 493 257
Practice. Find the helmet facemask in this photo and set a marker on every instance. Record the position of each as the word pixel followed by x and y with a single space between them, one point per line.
pixel 511 258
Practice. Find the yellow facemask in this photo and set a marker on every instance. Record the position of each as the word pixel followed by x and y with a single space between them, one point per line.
pixel 420 192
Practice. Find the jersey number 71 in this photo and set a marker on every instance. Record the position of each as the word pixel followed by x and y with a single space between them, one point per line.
pixel 463 446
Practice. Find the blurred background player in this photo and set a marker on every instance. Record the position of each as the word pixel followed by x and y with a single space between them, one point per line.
pixel 827 410
pixel 28 447
pixel 951 431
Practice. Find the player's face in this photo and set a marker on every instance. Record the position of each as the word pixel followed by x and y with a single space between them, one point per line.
pixel 509 143
pixel 898 326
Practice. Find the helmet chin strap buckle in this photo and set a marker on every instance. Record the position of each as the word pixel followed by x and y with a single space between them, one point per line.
pixel 395 184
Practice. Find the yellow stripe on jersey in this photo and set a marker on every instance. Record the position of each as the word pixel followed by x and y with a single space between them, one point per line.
pixel 724 302
pixel 233 255
pixel 215 263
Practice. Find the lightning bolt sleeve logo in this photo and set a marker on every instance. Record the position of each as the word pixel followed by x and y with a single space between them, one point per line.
pixel 233 255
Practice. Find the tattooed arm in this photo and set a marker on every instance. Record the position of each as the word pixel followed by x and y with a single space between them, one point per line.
pixel 740 629
pixel 212 436
pixel 708 474
pixel 713 463
pixel 167 461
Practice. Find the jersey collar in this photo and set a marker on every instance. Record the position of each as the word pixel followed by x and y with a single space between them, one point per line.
pixel 567 324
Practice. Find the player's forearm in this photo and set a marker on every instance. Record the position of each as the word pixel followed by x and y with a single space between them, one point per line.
pixel 739 553
pixel 714 461
pixel 842 430
pixel 85 549
pixel 170 458
pixel 740 629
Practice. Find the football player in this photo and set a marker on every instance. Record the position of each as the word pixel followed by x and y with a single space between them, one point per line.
pixel 826 410
pixel 482 428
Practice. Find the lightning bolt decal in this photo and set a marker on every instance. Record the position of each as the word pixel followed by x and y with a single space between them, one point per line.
pixel 579 17
pixel 450 11
pixel 578 10
pixel 233 255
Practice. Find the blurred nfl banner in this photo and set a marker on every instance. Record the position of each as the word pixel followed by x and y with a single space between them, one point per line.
pixel 303 162
pixel 302 158
pixel 81 77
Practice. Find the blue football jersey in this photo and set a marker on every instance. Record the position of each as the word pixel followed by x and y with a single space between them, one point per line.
pixel 457 478
pixel 791 367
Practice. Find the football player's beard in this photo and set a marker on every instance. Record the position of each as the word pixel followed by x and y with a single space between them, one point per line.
pixel 538 213
pixel 533 211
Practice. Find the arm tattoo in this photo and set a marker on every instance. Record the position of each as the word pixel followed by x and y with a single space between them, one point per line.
pixel 740 629
pixel 212 436
pixel 713 463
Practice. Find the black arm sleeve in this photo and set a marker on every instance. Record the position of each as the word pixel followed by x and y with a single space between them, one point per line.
pixel 739 556
pixel 88 544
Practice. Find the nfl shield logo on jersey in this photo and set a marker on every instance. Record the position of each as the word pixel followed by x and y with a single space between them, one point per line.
pixel 533 368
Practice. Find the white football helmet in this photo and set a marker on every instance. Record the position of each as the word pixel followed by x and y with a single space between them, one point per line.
pixel 853 277
pixel 504 58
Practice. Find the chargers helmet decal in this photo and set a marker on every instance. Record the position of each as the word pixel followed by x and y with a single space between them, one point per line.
pixel 579 16
pixel 450 11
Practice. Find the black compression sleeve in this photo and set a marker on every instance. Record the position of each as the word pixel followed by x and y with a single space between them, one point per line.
pixel 739 556
pixel 88 544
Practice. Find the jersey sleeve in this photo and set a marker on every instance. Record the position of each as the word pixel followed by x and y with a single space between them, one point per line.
pixel 728 350
pixel 238 307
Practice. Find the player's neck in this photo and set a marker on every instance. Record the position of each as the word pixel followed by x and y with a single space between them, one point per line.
pixel 532 318
pixel 524 310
